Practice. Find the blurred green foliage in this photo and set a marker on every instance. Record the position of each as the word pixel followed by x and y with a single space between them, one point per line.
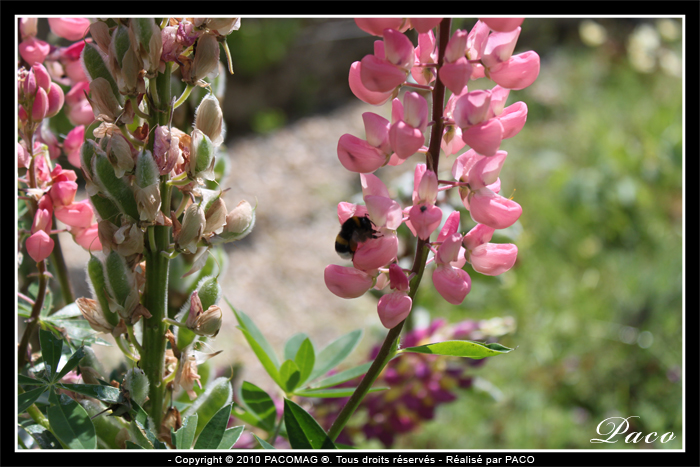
pixel 597 288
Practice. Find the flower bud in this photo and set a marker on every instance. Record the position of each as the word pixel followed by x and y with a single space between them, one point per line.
pixel 147 41
pixel 120 155
pixel 94 315
pixel 40 107
pixel 206 59
pixel 55 100
pixel 39 246
pixel 224 26
pixel 136 382
pixel 209 119
pixel 147 188
pixel 203 323
pixel 240 221
pixel 102 99
pixel 216 216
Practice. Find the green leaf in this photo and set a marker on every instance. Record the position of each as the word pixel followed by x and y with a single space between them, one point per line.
pixel 132 445
pixel 184 437
pixel 43 437
pixel 270 366
pixel 217 395
pixel 332 392
pixel 336 352
pixel 305 359
pixel 245 416
pixel 263 443
pixel 213 433
pixel 26 399
pixel 71 424
pixel 246 323
pixel 72 362
pixel 343 376
pixel 289 376
pixel 231 435
pixel 302 430
pixel 69 311
pixel 467 349
pixel 107 394
pixel 51 351
pixel 258 403
pixel 293 344
pixel 27 381
pixel 145 436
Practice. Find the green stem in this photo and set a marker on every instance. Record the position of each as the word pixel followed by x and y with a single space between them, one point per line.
pixel 389 346
pixel 34 318
pixel 61 272
pixel 185 94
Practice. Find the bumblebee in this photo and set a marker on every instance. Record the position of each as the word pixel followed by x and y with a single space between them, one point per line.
pixel 354 230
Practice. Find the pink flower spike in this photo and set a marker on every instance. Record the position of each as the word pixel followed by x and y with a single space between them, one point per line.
pixel 346 282
pixel 492 259
pixel 72 144
pixel 424 25
pixel 39 246
pixel 361 92
pixel 75 215
pixel 34 50
pixel 425 218
pixel 72 29
pixel 398 49
pixel 87 237
pixel 479 235
pixel 453 284
pixel 502 24
pixel 451 226
pixel 379 75
pixel 517 73
pixel 486 207
pixel 393 308
pixel 513 119
pixel 376 253
pixel 376 26
pixel 357 155
pixel 484 138
pixel 499 47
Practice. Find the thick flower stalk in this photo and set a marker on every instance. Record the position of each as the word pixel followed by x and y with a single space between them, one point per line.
pixel 477 121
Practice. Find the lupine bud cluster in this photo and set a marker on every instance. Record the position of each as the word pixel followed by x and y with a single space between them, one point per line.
pixel 418 383
pixel 478 119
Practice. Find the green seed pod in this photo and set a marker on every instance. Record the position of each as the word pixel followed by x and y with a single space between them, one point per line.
pixel 119 277
pixel 107 428
pixel 120 44
pixel 217 395
pixel 146 170
pixel 136 382
pixel 117 189
pixel 95 65
pixel 203 151
pixel 209 291
pixel 96 274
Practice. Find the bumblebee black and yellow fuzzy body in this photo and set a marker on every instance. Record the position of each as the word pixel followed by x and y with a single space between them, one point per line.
pixel 354 230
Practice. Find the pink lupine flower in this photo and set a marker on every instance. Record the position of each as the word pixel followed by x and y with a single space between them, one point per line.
pixel 424 25
pixel 59 174
pixel 72 29
pixel 76 214
pixel 487 207
pixel 347 282
pixel 394 307
pixel 425 53
pixel 452 284
pixel 409 122
pixel 456 70
pixel 39 245
pixel 55 100
pixel 358 155
pixel 72 144
pixel 518 72
pixel 475 115
pixel 63 193
pixel 361 92
pixel 87 237
pixel 390 64
pixel 502 24
pixel 376 26
pixel 490 259
pixel 424 216
pixel 34 50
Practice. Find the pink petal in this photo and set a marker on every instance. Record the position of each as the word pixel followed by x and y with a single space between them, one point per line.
pixel 346 282
pixel 76 214
pixel 425 218
pixel 456 75
pixel 39 246
pixel 398 49
pixel 378 75
pixel 34 50
pixel 376 253
pixel 492 259
pixel 424 25
pixel 361 92
pixel 87 238
pixel 376 26
pixel 357 155
pixel 479 235
pixel 453 284
pixel 72 29
pixel 486 207
pixel 394 308
pixel 499 47
pixel 502 24
pixel 517 73
pixel 484 138
pixel 451 226
pixel 405 140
